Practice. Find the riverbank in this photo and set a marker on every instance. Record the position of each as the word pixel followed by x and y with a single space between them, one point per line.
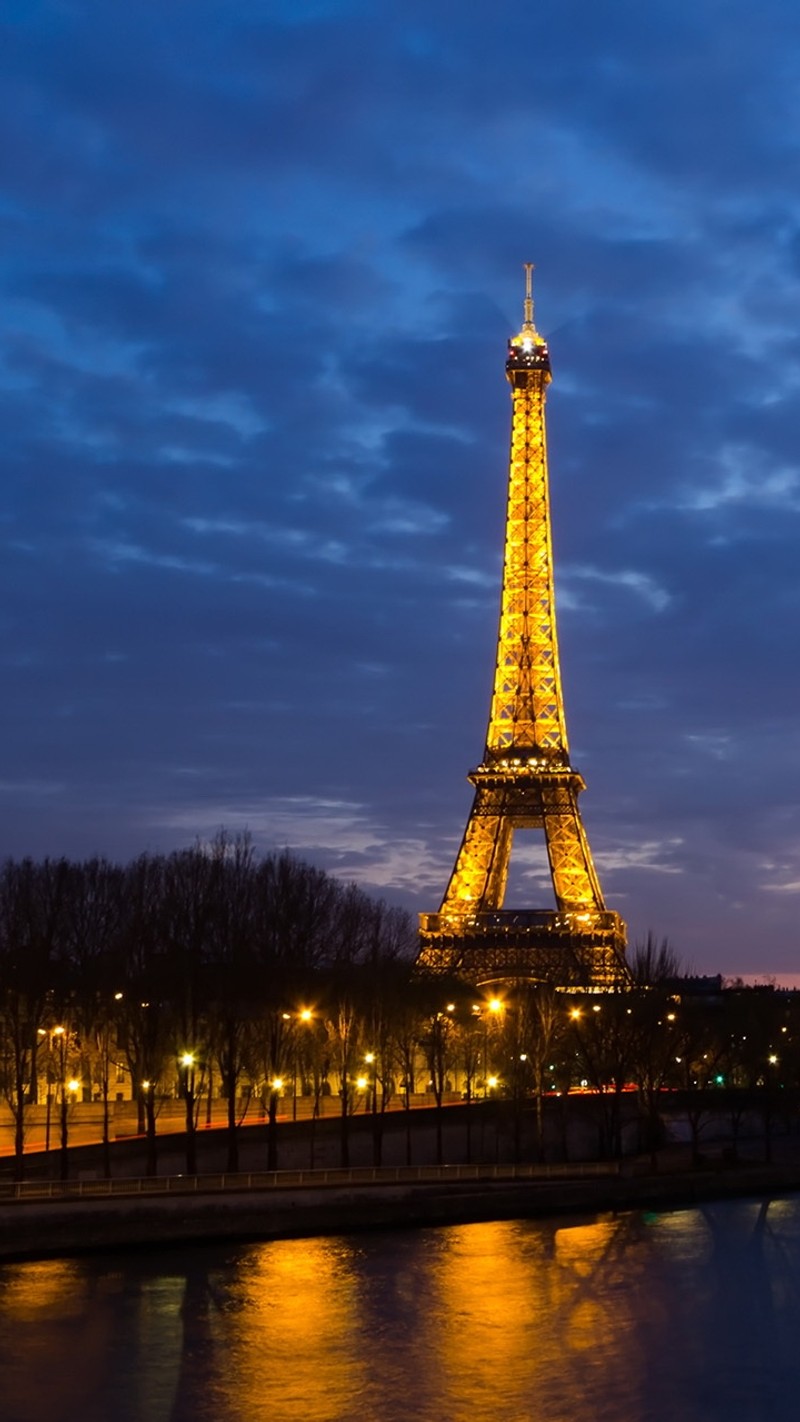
pixel 37 1229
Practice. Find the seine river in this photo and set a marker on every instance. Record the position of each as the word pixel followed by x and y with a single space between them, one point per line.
pixel 669 1317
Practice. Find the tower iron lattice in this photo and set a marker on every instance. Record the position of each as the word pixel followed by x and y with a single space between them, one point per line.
pixel 525 780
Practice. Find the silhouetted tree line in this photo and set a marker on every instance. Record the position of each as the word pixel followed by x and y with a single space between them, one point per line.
pixel 193 969
pixel 216 972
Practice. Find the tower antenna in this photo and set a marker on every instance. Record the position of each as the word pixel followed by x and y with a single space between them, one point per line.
pixel 528 322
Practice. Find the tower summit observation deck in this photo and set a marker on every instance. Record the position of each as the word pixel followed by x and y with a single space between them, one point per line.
pixel 525 780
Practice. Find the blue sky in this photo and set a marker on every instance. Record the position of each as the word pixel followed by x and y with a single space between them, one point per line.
pixel 259 265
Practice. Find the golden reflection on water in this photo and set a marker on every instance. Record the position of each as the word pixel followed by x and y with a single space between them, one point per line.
pixel 35 1354
pixel 539 1303
pixel 29 1290
pixel 609 1320
pixel 304 1330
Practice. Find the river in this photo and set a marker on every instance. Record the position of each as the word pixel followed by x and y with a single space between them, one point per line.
pixel 684 1316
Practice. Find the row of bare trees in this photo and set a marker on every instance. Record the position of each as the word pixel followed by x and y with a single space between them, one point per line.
pixel 182 967
pixel 214 971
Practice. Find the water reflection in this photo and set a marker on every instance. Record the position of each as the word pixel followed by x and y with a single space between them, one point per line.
pixel 693 1315
pixel 304 1348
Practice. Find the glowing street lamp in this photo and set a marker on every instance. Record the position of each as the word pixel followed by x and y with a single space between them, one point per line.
pixel 306 1016
pixel 372 1079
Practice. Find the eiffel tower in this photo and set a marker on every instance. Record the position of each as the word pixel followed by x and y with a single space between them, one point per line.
pixel 525 780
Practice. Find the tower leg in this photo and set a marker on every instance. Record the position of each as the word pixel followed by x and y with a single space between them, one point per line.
pixel 480 875
pixel 574 878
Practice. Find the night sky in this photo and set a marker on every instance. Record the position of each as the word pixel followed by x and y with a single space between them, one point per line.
pixel 259 266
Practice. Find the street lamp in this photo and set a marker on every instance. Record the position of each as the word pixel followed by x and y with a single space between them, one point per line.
pixel 495 1006
pixel 304 1015
pixel 371 1060
pixel 186 1061
pixel 60 1033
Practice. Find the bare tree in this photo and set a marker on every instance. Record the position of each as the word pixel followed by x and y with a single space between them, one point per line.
pixel 31 923
pixel 91 969
pixel 145 1012
pixel 233 984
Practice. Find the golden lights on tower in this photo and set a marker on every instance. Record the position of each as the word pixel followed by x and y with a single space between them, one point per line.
pixel 525 779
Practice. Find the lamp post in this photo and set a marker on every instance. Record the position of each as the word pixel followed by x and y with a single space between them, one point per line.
pixel 372 1062
pixel 769 1074
pixel 58 1040
pixel 187 1065
pixel 495 1007
pixel 42 1032
pixel 69 1095
pixel 304 1016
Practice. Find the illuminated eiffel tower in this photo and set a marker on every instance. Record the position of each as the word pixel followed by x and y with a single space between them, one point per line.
pixel 525 780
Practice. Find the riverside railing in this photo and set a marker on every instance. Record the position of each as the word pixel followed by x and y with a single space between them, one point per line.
pixel 273 1180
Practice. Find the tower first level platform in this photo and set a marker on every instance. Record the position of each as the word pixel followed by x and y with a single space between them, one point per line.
pixel 525 781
